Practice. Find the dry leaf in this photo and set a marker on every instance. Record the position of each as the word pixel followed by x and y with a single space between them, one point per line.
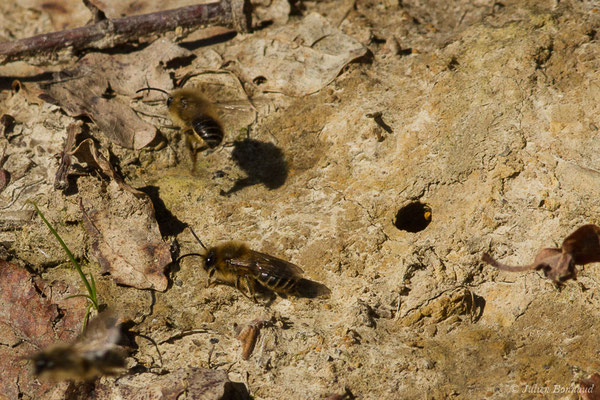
pixel 248 337
pixel 579 248
pixel 126 240
pixel 590 388
pixel 297 59
pixel 88 153
pixel 33 315
pixel 86 90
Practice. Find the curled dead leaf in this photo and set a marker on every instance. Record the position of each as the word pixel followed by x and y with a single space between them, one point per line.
pixel 579 248
pixel 248 337
pixel 88 152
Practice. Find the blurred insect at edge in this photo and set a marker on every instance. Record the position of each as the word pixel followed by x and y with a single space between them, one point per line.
pixel 93 354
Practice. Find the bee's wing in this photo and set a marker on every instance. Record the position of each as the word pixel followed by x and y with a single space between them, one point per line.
pixel 102 330
pixel 260 262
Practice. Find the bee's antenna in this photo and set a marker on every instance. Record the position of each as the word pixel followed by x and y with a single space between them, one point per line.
pixel 151 88
pixel 189 254
pixel 199 241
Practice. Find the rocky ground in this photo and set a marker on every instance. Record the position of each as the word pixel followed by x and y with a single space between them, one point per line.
pixel 480 117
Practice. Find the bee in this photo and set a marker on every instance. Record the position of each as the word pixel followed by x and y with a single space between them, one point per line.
pixel 91 355
pixel 195 115
pixel 234 263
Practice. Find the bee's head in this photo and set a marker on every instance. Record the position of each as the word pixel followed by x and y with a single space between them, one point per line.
pixel 42 363
pixel 210 259
pixel 179 99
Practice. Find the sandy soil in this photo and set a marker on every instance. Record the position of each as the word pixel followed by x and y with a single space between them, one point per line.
pixel 489 121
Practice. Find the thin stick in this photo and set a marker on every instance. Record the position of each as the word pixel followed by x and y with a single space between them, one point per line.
pixel 109 33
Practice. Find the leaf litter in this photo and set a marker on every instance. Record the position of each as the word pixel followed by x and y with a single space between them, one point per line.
pixel 34 314
pixel 558 264
pixel 100 87
pixel 295 60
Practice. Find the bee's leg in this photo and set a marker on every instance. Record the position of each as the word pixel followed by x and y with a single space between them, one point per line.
pixel 211 281
pixel 251 292
pixel 237 284
pixel 190 142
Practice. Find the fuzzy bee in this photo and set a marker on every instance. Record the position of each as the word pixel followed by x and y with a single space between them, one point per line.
pixel 234 263
pixel 91 355
pixel 195 116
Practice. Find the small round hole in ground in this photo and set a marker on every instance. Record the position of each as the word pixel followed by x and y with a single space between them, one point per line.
pixel 414 217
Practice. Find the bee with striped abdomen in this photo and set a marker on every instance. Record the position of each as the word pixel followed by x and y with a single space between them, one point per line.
pixel 234 263
pixel 196 117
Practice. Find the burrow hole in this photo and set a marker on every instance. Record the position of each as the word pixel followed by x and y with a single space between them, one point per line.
pixel 414 217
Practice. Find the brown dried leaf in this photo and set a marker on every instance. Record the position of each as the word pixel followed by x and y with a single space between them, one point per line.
pixel 88 153
pixel 61 181
pixel 27 314
pixel 126 240
pixel 6 123
pixel 297 59
pixel 196 383
pixel 83 90
pixel 590 388
pixel 579 248
pixel 33 315
pixel 248 337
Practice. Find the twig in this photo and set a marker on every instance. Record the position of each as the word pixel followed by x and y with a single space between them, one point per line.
pixel 109 33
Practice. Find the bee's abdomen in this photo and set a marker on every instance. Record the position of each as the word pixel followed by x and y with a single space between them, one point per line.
pixel 277 284
pixel 209 130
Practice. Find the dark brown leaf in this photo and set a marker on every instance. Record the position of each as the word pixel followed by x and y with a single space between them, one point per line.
pixel 88 153
pixel 590 388
pixel 579 248
pixel 248 337
pixel 33 315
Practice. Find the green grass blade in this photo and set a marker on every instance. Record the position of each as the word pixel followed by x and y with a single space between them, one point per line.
pixel 92 293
